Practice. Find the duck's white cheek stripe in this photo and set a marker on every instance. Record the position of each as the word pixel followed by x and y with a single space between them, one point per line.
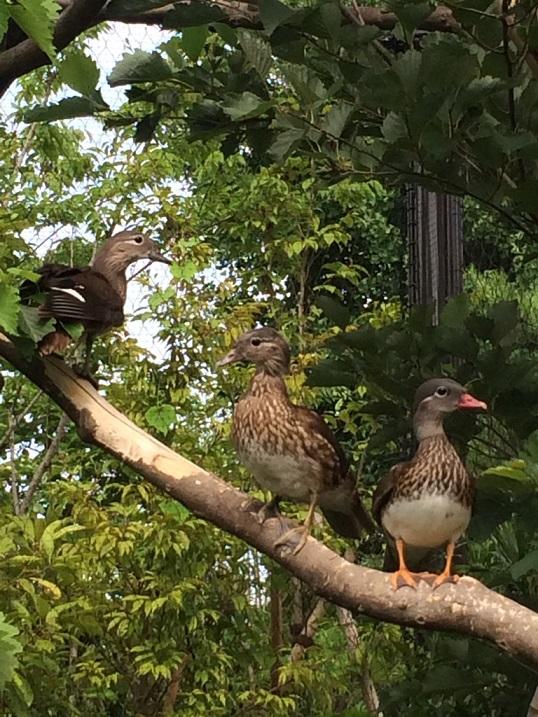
pixel 73 293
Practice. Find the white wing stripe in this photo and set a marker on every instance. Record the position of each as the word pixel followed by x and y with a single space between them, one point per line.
pixel 72 292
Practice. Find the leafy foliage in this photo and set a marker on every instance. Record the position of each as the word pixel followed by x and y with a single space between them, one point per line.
pixel 314 80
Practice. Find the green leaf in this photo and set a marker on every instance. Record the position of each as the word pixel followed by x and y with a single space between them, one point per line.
pixel 74 329
pixel 175 510
pixel 4 19
pixel 9 649
pixel 9 308
pixel 335 121
pixel 525 565
pixel 193 41
pixel 331 17
pixel 24 689
pixel 274 13
pixel 455 312
pixel 334 310
pixel 284 142
pixel 47 539
pixel 411 14
pixel 37 18
pixel 228 34
pixel 65 109
pixel 443 678
pixel 257 52
pixel 32 325
pixel 245 106
pixel 161 417
pixel 80 72
pixel 330 372
pixel 139 66
pixel 394 127
pixel 505 315
pixel 306 83
pixel 515 470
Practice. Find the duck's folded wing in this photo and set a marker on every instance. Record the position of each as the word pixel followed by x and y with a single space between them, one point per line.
pixel 352 519
pixel 83 296
pixel 328 445
pixel 47 272
pixel 384 489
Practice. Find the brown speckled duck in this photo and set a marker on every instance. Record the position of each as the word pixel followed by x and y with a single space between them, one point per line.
pixel 289 449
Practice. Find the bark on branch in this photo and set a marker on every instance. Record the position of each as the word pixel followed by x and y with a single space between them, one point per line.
pixel 468 607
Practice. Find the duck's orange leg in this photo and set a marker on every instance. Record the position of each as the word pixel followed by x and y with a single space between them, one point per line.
pixel 403 571
pixel 446 576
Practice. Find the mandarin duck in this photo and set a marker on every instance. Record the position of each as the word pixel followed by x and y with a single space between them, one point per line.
pixel 93 296
pixel 289 449
pixel 426 502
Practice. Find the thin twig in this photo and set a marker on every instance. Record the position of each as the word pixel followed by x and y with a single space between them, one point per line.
pixel 309 630
pixel 44 465
pixel 14 474
pixel 12 426
pixel 351 633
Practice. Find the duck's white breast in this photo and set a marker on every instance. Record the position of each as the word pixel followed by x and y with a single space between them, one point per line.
pixel 429 521
pixel 281 473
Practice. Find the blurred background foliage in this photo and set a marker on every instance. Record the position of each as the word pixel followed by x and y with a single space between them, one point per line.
pixel 115 600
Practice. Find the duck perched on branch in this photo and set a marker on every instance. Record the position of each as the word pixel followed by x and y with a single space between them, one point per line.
pixel 426 502
pixel 93 296
pixel 289 449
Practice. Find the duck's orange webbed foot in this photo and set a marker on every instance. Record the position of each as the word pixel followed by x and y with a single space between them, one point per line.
pixel 443 578
pixel 401 578
pixel 428 578
pixel 403 572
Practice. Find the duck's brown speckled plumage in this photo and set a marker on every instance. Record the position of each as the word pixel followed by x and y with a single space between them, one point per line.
pixel 436 468
pixel 266 423
pixel 289 449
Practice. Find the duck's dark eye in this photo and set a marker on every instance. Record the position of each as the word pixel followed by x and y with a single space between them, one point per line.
pixel 255 342
pixel 442 391
pixel 138 239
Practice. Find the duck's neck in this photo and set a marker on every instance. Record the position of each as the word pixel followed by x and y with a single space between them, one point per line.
pixel 113 269
pixel 428 424
pixel 264 382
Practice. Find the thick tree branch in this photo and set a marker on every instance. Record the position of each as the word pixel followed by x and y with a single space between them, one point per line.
pixel 80 15
pixel 26 56
pixel 468 607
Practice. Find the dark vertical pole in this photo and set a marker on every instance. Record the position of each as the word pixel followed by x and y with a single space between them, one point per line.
pixel 434 228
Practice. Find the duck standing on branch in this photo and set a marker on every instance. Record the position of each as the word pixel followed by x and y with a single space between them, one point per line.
pixel 289 449
pixel 93 296
pixel 426 502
